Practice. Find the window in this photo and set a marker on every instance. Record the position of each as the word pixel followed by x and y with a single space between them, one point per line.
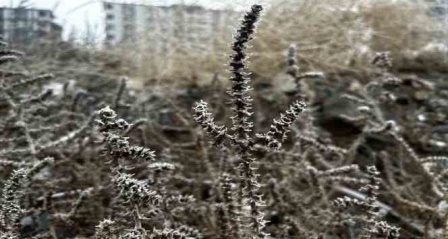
pixel 110 37
pixel 110 16
pixel 42 25
pixel 128 11
pixel 20 13
pixel 439 11
pixel 108 6
pixel 110 27
pixel 20 24
pixel 8 13
pixel 42 13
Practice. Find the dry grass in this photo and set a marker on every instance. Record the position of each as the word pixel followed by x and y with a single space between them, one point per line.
pixel 335 35
pixel 340 35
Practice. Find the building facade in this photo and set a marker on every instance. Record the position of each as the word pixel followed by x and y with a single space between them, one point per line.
pixel 162 27
pixel 25 25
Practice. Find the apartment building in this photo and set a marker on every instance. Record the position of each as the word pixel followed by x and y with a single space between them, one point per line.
pixel 27 25
pixel 162 27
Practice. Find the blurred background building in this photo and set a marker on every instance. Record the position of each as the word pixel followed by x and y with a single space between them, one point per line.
pixel 188 27
pixel 26 25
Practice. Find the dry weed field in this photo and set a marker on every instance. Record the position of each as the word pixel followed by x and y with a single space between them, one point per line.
pixel 330 122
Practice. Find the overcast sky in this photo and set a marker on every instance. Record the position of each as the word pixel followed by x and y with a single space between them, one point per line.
pixel 80 15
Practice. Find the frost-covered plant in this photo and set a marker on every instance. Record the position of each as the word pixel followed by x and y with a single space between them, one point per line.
pixel 10 208
pixel 35 123
pixel 373 227
pixel 11 198
pixel 373 102
pixel 31 112
pixel 240 137
pixel 133 193
pixel 293 70
pixel 312 185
